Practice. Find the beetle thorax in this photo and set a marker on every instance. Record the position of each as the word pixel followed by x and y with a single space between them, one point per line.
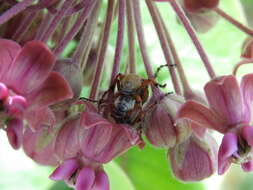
pixel 130 83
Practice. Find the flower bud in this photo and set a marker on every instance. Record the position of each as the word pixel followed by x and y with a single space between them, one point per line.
pixel 159 122
pixel 3 91
pixel 200 14
pixel 199 6
pixel 195 159
pixel 72 73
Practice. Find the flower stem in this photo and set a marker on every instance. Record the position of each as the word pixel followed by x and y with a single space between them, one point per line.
pixel 239 25
pixel 17 8
pixel 120 39
pixel 141 38
pixel 194 37
pixel 24 26
pixel 242 62
pixel 131 40
pixel 76 27
pixel 102 50
pixel 187 91
pixel 164 44
pixel 57 19
pixel 84 46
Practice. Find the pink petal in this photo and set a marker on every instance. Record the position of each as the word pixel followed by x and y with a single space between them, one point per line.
pixel 38 117
pixel 248 166
pixel 201 115
pixel 247 93
pixel 247 134
pixel 101 181
pixel 3 91
pixel 8 51
pixel 91 119
pixel 67 142
pixel 15 132
pixel 39 146
pixel 30 68
pixel 225 99
pixel 85 179
pixel 53 90
pixel 65 170
pixel 227 148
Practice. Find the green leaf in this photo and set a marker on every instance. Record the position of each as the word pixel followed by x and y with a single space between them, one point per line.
pixel 117 177
pixel 149 170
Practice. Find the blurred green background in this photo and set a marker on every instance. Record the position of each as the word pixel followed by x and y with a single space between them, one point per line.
pixel 149 169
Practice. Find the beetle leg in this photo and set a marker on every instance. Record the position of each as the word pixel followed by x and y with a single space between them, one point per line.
pixel 110 90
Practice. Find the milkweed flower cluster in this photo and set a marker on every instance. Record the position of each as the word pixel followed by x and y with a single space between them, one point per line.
pixel 42 75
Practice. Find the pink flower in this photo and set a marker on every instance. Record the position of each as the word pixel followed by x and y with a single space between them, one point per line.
pixel 229 113
pixel 80 145
pixel 28 85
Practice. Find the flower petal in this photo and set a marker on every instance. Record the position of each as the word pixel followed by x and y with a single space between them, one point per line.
pixel 15 132
pixel 101 182
pixel 247 93
pixel 38 117
pixel 248 166
pixel 247 134
pixel 201 115
pixel 85 179
pixel 227 148
pixel 30 68
pixel 65 170
pixel 89 119
pixel 53 90
pixel 225 99
pixel 8 51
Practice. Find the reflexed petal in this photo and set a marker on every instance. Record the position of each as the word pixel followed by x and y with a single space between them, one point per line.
pixel 89 118
pixel 8 51
pixel 248 166
pixel 247 134
pixel 67 142
pixel 36 118
pixel 85 179
pixel 201 115
pixel 247 93
pixel 30 68
pixel 54 89
pixel 225 99
pixel 65 170
pixel 101 182
pixel 15 132
pixel 195 159
pixel 3 91
pixel 39 146
pixel 227 148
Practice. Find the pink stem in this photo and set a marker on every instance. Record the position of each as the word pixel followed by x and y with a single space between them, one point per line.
pixel 120 39
pixel 57 18
pixel 43 25
pixel 131 40
pixel 239 25
pixel 84 45
pixel 194 37
pixel 102 50
pixel 24 26
pixel 186 86
pixel 164 45
pixel 141 38
pixel 242 62
pixel 76 27
pixel 17 8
